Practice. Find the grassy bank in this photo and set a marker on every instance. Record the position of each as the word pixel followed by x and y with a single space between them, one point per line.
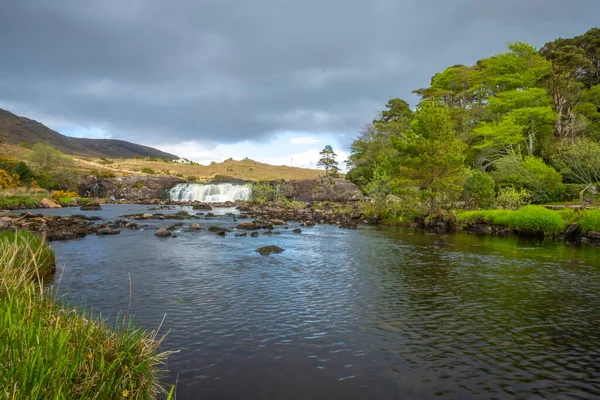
pixel 534 219
pixel 21 197
pixel 49 350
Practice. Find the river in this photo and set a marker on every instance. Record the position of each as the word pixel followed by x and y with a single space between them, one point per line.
pixel 376 313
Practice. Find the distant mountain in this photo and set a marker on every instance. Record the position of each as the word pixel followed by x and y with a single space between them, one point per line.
pixel 15 130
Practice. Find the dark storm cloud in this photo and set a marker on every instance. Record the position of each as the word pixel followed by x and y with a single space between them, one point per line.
pixel 223 70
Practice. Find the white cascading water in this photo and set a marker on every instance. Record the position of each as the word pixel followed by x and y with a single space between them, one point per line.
pixel 210 192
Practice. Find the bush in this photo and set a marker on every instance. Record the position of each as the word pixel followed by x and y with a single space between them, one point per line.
pixel 530 173
pixel 479 190
pixel 138 185
pixel 106 175
pixel 7 180
pixel 147 170
pixel 53 169
pixel 192 178
pixel 57 194
pixel 25 145
pixel 511 198
pixel 105 161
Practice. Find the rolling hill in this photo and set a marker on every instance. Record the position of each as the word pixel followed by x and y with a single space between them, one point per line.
pixel 15 130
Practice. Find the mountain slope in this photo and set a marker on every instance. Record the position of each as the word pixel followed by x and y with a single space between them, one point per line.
pixel 15 129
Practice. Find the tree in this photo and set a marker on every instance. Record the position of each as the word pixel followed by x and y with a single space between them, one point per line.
pixel 431 157
pixel 53 169
pixel 327 160
pixel 579 162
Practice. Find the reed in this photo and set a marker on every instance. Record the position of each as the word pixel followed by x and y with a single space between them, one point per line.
pixel 49 350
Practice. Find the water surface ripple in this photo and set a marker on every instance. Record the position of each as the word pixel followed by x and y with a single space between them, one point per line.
pixel 373 313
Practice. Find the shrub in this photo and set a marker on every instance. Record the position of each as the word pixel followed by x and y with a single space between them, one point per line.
pixel 138 185
pixel 105 161
pixel 53 169
pixel 479 190
pixel 57 194
pixel 221 178
pixel 530 173
pixel 192 178
pixel 511 198
pixel 7 180
pixel 106 175
pixel 147 170
pixel 25 145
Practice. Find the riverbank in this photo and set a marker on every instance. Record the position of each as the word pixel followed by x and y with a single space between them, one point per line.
pixel 565 224
pixel 51 350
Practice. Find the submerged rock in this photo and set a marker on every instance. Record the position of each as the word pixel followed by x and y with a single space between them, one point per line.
pixel 266 250
pixel 241 234
pixel 162 232
pixel 202 206
pixel 250 226
pixel 297 230
pixel 593 235
pixel 254 234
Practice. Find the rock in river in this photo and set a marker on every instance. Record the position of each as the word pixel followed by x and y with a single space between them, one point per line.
pixel 266 250
pixel 47 203
pixel 162 232
pixel 91 207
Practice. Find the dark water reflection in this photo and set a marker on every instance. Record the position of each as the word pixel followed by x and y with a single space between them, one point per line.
pixel 373 313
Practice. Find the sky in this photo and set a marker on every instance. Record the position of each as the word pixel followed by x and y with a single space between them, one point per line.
pixel 271 80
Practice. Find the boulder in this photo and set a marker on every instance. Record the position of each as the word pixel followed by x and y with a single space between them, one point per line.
pixel 195 227
pixel 266 250
pixel 108 231
pixel 593 235
pixel 254 234
pixel 573 233
pixel 322 189
pixel 241 234
pixel 162 232
pixel 47 203
pixel 297 230
pixel 276 221
pixel 91 207
pixel 147 216
pixel 250 226
pixel 202 206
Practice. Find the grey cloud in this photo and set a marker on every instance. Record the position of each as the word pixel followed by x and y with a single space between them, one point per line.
pixel 222 70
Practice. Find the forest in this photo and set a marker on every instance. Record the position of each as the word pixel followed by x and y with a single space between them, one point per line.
pixel 515 128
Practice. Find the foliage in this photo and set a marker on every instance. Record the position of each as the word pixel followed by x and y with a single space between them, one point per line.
pixel 25 145
pixel 328 161
pixel 147 170
pixel 530 173
pixel 53 169
pixel 579 162
pixel 528 219
pixel 266 192
pixel 18 168
pixel 138 184
pixel 511 198
pixel 50 350
pixel 431 158
pixel 105 161
pixel 57 194
pixel 105 174
pixel 7 181
pixel 479 190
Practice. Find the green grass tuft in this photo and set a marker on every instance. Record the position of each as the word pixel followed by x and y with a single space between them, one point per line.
pixel 52 351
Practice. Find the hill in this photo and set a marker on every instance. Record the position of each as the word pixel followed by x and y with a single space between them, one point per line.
pixel 15 130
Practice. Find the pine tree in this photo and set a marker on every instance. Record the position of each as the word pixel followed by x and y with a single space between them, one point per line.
pixel 327 160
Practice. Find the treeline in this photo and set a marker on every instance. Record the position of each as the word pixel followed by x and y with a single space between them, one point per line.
pixel 518 127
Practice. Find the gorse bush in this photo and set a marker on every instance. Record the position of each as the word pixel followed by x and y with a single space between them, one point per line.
pixel 52 351
pixel 7 181
pixel 57 194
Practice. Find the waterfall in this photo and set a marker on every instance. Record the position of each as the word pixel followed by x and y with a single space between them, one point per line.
pixel 210 192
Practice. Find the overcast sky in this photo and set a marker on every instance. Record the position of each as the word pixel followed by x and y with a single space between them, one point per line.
pixel 273 80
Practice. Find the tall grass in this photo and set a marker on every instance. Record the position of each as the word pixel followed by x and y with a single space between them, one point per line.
pixel 49 350
pixel 528 219
pixel 588 220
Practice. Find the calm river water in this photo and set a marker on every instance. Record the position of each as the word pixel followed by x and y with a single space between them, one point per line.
pixel 377 313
